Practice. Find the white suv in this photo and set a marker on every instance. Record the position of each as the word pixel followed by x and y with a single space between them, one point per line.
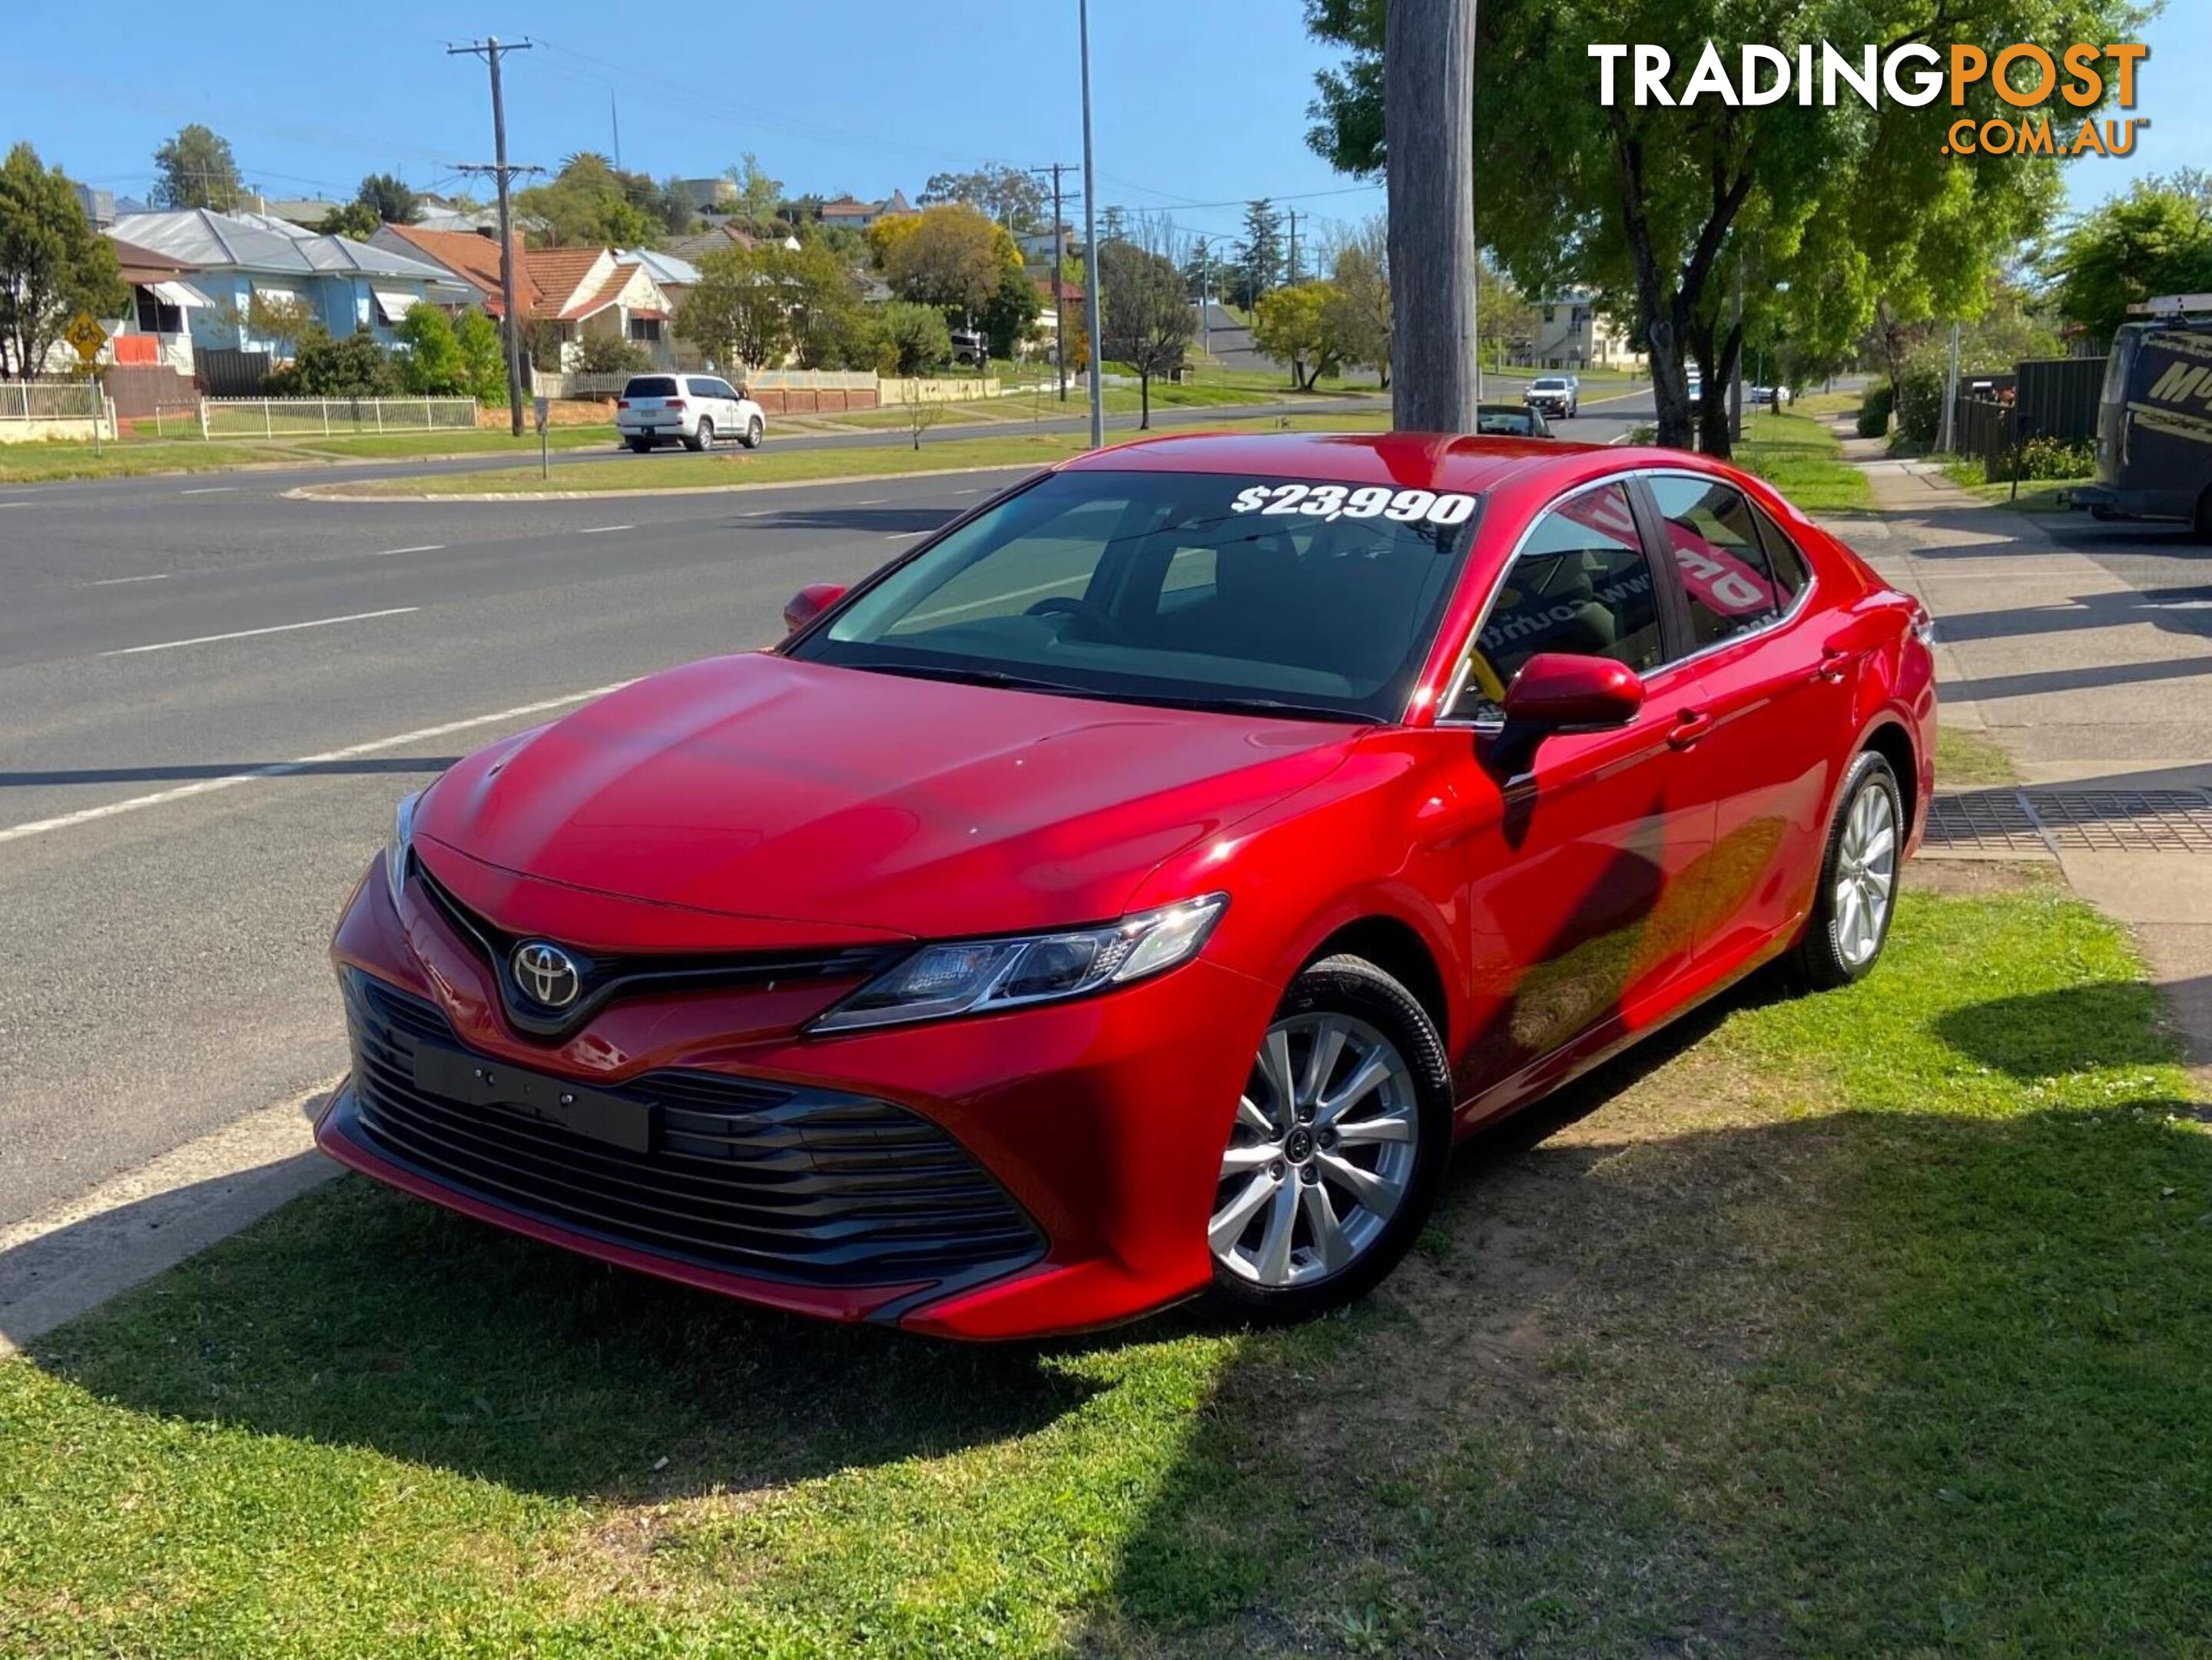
pixel 698 408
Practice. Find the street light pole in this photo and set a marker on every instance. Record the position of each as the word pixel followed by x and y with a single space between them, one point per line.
pixel 1090 239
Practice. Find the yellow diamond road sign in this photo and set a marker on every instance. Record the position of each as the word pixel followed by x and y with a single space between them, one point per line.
pixel 85 335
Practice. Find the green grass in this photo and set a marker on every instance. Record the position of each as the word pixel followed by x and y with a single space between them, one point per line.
pixel 2033 495
pixel 1969 759
pixel 1799 456
pixel 41 463
pixel 373 446
pixel 1865 1324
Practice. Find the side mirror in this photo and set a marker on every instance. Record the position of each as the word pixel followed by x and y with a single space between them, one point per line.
pixel 1560 689
pixel 809 603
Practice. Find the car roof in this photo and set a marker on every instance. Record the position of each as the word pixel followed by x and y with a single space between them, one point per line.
pixel 1407 459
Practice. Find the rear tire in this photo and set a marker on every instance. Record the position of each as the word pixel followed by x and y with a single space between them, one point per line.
pixel 702 440
pixel 1858 896
pixel 1338 1147
pixel 642 445
pixel 2204 523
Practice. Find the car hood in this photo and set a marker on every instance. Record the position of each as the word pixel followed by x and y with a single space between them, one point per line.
pixel 761 787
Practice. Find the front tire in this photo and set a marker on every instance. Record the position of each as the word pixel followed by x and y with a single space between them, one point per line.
pixel 1339 1146
pixel 1850 924
pixel 2203 521
pixel 753 434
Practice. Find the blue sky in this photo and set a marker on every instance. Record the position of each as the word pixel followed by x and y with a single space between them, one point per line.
pixel 1196 103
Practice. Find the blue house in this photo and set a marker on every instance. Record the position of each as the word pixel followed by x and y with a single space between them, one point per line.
pixel 236 258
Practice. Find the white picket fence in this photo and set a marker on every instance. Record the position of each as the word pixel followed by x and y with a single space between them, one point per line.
pixel 278 417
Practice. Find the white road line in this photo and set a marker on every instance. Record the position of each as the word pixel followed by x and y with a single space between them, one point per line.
pixel 208 490
pixel 601 530
pixel 248 634
pixel 869 502
pixel 428 547
pixel 16 504
pixel 904 535
pixel 278 770
pixel 117 582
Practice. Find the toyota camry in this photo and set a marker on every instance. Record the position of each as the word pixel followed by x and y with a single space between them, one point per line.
pixel 1135 890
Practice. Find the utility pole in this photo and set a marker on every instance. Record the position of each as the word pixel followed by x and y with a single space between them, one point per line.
pixel 614 121
pixel 1428 123
pixel 1058 308
pixel 1735 384
pixel 1947 437
pixel 1090 239
pixel 1205 297
pixel 491 51
pixel 1292 281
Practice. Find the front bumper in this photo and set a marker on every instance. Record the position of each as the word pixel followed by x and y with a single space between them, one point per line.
pixel 1075 1147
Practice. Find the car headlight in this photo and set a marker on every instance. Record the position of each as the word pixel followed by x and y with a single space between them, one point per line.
pixel 983 975
pixel 400 844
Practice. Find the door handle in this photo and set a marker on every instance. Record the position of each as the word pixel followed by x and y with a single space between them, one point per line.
pixel 1835 662
pixel 1689 726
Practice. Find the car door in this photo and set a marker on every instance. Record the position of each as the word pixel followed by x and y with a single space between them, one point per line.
pixel 1775 685
pixel 1579 882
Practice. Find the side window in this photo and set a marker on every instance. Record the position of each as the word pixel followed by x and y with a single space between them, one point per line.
pixel 1581 583
pixel 1726 574
pixel 1790 574
pixel 1189 578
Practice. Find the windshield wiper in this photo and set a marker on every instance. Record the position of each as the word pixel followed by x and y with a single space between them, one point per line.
pixel 963 676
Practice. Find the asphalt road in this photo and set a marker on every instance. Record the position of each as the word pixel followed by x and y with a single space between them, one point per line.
pixel 165 900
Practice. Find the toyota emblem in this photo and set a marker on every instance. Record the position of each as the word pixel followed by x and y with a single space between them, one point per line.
pixel 547 975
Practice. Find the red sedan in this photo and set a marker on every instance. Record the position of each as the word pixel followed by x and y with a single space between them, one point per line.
pixel 1140 886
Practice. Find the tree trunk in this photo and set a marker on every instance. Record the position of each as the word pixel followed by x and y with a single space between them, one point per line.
pixel 1428 125
pixel 1716 361
pixel 1144 400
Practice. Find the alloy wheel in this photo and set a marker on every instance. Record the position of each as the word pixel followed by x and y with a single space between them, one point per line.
pixel 706 435
pixel 1866 873
pixel 1322 1153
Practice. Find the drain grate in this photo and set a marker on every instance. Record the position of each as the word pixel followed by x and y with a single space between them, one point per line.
pixel 2013 822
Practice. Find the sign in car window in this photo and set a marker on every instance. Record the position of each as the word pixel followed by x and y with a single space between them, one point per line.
pixel 1328 502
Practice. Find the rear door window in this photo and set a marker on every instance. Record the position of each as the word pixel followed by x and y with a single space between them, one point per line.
pixel 651 386
pixel 1727 577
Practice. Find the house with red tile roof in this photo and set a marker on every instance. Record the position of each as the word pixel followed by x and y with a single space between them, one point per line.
pixel 594 293
pixel 473 258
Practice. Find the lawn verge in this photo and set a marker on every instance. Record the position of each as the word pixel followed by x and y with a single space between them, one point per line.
pixel 1869 1323
pixel 1802 458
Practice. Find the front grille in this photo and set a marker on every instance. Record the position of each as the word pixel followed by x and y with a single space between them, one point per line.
pixel 748 1176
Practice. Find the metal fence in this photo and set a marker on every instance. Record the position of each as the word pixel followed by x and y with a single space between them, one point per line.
pixel 49 400
pixel 276 417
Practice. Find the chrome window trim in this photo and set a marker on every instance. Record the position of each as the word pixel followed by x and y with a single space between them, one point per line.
pixel 1465 668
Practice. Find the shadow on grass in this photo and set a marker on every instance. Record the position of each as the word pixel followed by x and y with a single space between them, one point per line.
pixel 1670 1380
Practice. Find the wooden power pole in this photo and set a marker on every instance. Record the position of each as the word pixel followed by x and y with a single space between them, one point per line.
pixel 491 51
pixel 1428 127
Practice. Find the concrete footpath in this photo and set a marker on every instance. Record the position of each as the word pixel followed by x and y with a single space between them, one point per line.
pixel 2098 689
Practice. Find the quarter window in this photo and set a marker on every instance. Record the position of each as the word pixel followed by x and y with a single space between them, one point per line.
pixel 1727 577
pixel 1581 584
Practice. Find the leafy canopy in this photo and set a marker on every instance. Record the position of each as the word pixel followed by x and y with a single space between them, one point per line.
pixel 52 263
pixel 196 169
pixel 2156 239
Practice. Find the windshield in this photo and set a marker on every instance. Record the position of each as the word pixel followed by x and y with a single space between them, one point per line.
pixel 1196 589
pixel 650 386
pixel 1548 385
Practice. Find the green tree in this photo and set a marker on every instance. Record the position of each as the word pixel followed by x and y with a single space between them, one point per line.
pixel 432 365
pixel 911 338
pixel 1258 261
pixel 1288 326
pixel 482 357
pixel 386 195
pixel 325 366
pixel 196 169
pixel 739 309
pixel 1014 302
pixel 758 195
pixel 2156 240
pixel 1355 315
pixel 357 220
pixel 1145 319
pixel 52 263
pixel 1014 197
pixel 609 354
pixel 1852 207
pixel 589 205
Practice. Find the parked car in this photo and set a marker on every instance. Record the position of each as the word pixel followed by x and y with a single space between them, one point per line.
pixel 1511 421
pixel 694 409
pixel 1775 397
pixel 971 347
pixel 1557 395
pixel 2154 442
pixel 1137 888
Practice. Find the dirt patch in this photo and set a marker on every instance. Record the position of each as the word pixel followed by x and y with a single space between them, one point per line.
pixel 1974 879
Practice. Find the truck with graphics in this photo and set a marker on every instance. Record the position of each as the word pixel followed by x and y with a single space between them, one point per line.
pixel 2155 426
